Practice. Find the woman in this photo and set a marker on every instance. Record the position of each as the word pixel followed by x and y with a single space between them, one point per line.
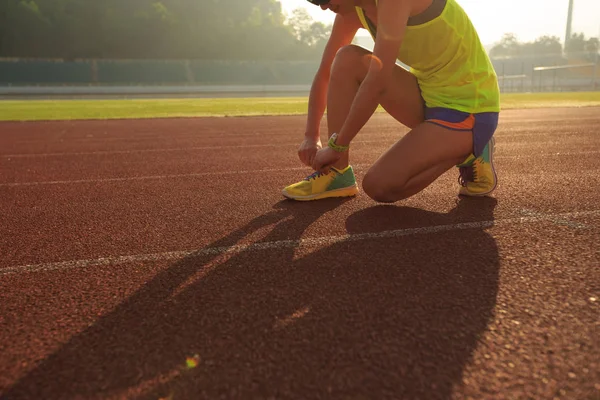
pixel 449 98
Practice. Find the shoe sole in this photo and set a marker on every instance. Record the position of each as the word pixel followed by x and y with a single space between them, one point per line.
pixel 343 192
pixel 466 193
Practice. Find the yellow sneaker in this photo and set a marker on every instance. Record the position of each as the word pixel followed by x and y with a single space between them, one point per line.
pixel 478 175
pixel 336 183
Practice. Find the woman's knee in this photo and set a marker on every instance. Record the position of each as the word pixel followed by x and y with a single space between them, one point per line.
pixel 379 191
pixel 350 58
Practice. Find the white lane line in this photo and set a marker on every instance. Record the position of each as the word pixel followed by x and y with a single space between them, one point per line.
pixel 554 220
pixel 254 171
pixel 286 244
pixel 157 177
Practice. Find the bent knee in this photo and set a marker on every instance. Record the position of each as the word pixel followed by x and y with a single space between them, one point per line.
pixel 350 56
pixel 379 191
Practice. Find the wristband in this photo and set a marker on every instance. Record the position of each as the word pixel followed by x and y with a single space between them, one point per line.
pixel 335 147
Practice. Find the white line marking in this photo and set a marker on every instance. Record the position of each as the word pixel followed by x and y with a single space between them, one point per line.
pixel 220 173
pixel 554 220
pixel 554 154
pixel 286 244
pixel 156 177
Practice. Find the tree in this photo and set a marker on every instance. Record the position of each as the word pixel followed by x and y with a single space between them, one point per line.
pixel 24 26
pixel 578 44
pixel 199 29
pixel 320 34
pixel 592 45
pixel 508 46
pixel 306 30
pixel 545 45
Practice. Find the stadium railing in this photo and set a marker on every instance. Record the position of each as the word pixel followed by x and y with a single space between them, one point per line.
pixel 554 72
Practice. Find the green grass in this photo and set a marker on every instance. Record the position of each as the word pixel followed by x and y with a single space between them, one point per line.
pixel 36 110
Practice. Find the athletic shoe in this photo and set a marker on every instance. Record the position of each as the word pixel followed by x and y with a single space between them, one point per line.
pixel 336 183
pixel 477 175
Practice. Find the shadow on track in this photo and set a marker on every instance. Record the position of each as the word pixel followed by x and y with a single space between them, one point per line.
pixel 395 317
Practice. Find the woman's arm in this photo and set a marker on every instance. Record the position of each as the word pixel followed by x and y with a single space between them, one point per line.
pixel 344 29
pixel 392 18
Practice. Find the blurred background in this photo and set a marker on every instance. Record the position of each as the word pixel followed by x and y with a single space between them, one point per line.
pixel 265 47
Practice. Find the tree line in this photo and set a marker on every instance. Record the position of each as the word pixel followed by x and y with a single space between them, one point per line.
pixel 577 44
pixel 191 29
pixel 158 29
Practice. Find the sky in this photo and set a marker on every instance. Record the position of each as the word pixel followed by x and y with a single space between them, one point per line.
pixel 528 19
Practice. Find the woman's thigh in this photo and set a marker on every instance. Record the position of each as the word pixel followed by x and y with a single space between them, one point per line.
pixel 424 148
pixel 402 97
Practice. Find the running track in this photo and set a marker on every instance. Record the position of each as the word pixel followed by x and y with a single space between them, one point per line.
pixel 156 259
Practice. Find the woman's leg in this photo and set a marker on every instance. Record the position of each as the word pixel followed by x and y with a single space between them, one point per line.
pixel 402 101
pixel 418 158
pixel 415 161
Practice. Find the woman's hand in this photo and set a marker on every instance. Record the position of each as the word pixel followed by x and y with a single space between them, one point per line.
pixel 324 159
pixel 308 149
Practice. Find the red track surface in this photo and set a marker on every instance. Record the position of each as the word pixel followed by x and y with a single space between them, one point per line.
pixel 128 247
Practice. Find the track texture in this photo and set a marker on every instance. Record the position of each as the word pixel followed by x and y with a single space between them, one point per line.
pixel 156 259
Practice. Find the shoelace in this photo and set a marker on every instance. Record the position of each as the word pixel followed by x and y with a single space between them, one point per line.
pixel 316 174
pixel 467 174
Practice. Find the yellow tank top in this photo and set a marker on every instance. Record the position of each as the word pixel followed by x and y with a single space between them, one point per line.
pixel 448 60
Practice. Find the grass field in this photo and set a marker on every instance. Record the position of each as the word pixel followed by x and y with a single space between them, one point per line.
pixel 37 110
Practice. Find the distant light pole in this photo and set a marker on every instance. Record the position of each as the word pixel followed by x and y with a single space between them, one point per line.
pixel 569 23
